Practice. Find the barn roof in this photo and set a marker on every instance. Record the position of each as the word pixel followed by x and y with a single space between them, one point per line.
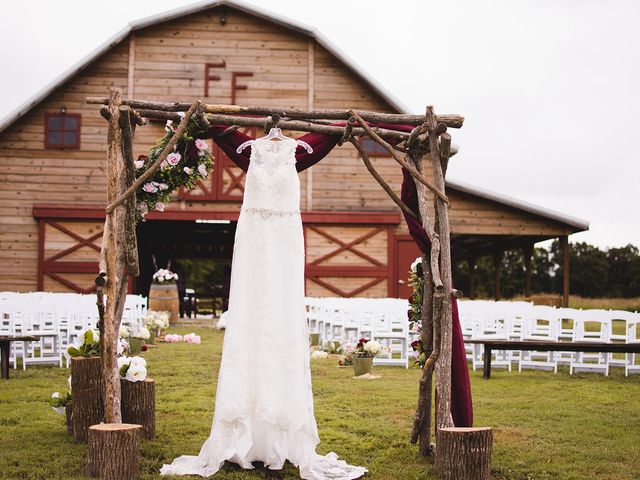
pixel 463 187
pixel 187 10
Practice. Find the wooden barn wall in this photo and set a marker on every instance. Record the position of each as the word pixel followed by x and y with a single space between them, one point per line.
pixel 166 62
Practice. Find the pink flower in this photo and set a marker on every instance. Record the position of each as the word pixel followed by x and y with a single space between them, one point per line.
pixel 164 165
pixel 173 159
pixel 139 164
pixel 160 206
pixel 172 338
pixel 201 144
pixel 149 187
pixel 202 170
pixel 187 170
pixel 192 338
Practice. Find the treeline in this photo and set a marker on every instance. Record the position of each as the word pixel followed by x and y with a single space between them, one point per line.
pixel 593 272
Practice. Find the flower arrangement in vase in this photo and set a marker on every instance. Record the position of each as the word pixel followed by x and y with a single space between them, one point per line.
pixel 363 354
pixel 164 276
pixel 86 345
pixel 137 340
pixel 155 322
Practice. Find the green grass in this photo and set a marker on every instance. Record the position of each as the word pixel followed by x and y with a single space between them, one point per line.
pixel 547 426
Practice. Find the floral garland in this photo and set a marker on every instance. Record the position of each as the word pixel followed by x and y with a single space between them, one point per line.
pixel 190 162
pixel 416 280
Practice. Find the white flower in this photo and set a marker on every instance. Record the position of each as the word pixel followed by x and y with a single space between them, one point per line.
pixel 122 361
pixel 169 126
pixel 55 395
pixel 319 354
pixel 163 186
pixel 187 170
pixel 201 144
pixel 160 206
pixel 139 164
pixel 136 374
pixel 202 170
pixel 143 333
pixel 414 265
pixel 123 345
pixel 372 347
pixel 124 331
pixel 137 362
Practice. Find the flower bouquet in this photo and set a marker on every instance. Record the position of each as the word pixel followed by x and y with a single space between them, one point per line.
pixel 155 322
pixel 133 369
pixel 363 355
pixel 86 345
pixel 164 277
pixel 137 340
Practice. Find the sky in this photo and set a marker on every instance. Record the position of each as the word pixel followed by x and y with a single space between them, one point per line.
pixel 549 88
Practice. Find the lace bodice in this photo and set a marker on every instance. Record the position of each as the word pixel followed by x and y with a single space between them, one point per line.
pixel 272 185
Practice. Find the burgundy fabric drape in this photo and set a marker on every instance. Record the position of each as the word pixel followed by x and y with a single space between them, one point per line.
pixel 461 402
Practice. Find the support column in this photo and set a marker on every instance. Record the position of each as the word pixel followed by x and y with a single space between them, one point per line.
pixel 497 267
pixel 527 252
pixel 564 243
pixel 471 262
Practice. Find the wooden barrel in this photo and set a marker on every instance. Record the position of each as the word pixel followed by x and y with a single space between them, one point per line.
pixel 164 298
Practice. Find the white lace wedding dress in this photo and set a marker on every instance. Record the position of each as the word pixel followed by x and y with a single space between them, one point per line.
pixel 264 403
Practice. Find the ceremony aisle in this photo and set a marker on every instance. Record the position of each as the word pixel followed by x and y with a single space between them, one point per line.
pixel 547 426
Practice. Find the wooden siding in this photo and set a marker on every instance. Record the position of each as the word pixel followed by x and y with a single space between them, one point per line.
pixel 166 62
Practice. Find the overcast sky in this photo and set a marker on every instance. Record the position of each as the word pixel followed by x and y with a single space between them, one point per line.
pixel 550 89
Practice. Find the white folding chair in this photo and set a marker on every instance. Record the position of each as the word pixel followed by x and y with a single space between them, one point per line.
pixel 539 323
pixel 591 326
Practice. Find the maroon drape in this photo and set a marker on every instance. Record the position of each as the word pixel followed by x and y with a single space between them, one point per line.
pixel 461 403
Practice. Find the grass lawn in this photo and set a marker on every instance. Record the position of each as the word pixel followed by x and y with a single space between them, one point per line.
pixel 547 426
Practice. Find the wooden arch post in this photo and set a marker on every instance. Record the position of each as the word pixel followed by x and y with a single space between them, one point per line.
pixel 429 136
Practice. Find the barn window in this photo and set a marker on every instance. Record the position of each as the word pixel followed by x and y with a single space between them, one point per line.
pixel 62 130
pixel 373 148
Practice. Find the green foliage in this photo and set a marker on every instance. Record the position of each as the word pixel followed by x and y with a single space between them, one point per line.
pixel 61 401
pixel 169 178
pixel 594 272
pixel 90 346
pixel 546 426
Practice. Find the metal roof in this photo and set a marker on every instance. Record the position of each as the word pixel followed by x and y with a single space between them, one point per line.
pixel 519 204
pixel 183 11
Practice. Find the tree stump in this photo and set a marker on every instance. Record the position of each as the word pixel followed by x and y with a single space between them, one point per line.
pixel 68 414
pixel 464 453
pixel 86 388
pixel 114 451
pixel 139 405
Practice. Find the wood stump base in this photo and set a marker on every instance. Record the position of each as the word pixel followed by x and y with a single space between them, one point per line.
pixel 464 453
pixel 86 385
pixel 114 451
pixel 139 405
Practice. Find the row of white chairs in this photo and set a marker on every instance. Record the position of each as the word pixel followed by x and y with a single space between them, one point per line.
pixel 57 319
pixel 346 320
pixel 504 320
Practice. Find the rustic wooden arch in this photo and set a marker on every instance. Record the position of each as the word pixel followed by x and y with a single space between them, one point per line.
pixel 118 255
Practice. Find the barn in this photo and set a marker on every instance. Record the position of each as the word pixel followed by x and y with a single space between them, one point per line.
pixel 53 149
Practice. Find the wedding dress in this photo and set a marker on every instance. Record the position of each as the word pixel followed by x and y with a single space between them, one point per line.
pixel 264 403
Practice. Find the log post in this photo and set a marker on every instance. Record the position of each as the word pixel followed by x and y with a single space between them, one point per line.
pixel 443 367
pixel 86 385
pixel 464 453
pixel 497 270
pixel 471 262
pixel 114 451
pixel 139 405
pixel 113 263
pixel 527 253
pixel 564 243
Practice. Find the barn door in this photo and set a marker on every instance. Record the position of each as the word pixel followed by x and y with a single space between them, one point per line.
pixel 225 182
pixel 405 252
pixel 68 254
pixel 347 260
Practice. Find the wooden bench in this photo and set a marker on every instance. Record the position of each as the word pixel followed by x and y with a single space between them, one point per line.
pixel 5 348
pixel 546 346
